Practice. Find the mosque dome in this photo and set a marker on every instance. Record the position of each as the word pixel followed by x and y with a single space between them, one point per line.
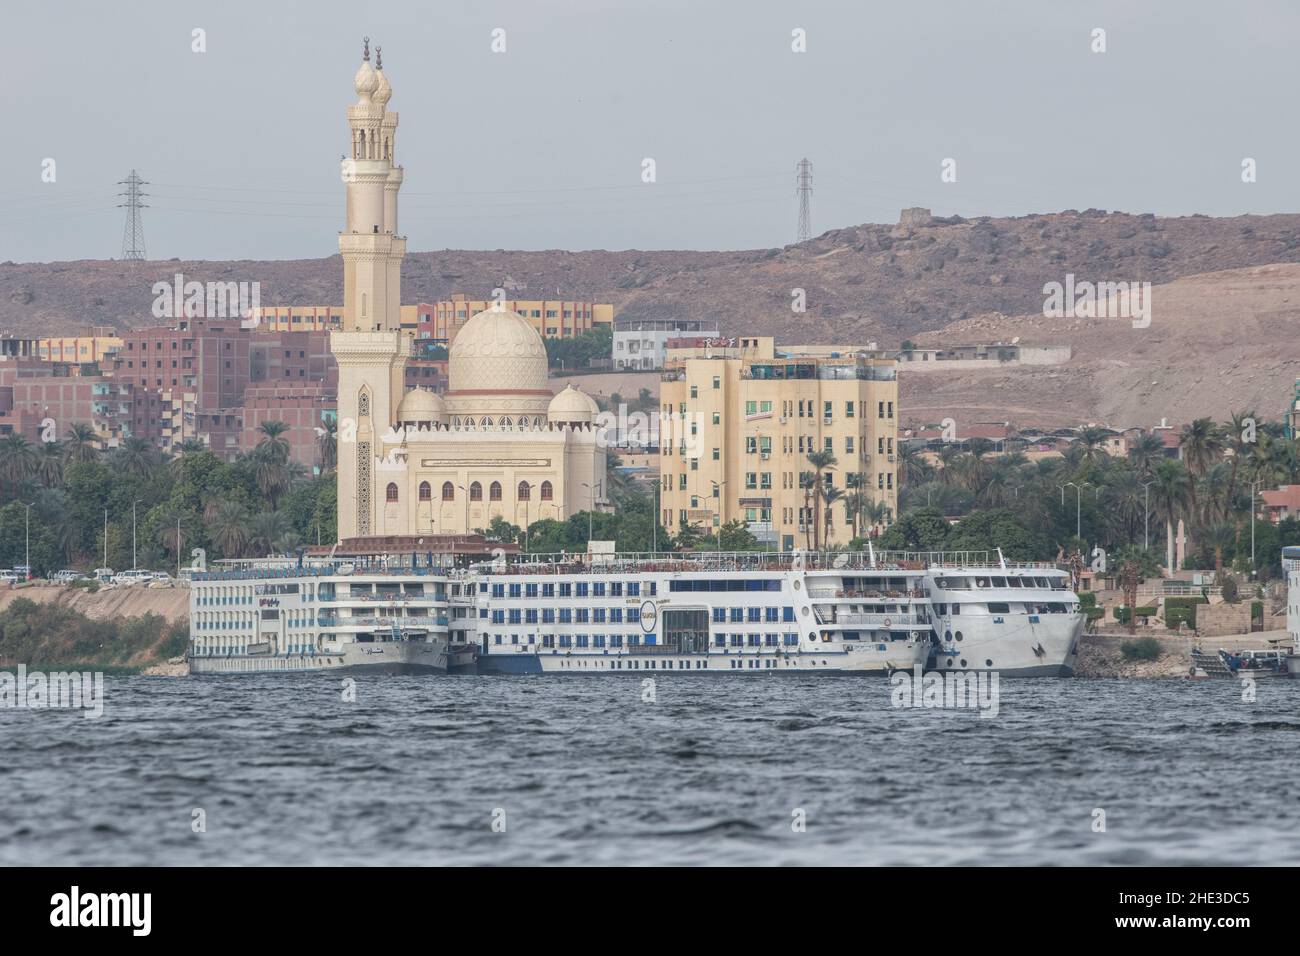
pixel 383 92
pixel 497 351
pixel 571 405
pixel 421 406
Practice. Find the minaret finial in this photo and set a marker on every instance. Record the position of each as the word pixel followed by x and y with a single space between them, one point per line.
pixel 379 58
pixel 365 52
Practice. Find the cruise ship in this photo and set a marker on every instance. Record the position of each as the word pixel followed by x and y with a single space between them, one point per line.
pixel 749 612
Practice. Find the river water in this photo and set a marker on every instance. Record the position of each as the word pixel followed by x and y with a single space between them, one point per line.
pixel 717 769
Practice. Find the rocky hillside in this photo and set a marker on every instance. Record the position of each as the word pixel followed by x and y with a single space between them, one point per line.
pixel 884 282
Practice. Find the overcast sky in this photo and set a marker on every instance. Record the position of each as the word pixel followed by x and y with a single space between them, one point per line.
pixel 542 146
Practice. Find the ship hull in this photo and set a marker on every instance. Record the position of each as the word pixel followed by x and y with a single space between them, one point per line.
pixel 1013 646
pixel 392 657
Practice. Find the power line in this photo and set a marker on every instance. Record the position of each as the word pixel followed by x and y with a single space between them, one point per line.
pixel 804 190
pixel 133 234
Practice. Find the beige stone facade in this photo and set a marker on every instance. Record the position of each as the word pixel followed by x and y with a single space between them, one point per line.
pixel 744 419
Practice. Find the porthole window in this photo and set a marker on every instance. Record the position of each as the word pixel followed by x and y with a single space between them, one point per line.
pixel 947 636
pixel 959 635
pixel 988 663
pixel 963 662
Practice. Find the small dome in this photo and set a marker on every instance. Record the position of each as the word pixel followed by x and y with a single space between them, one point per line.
pixel 497 351
pixel 383 92
pixel 421 405
pixel 366 81
pixel 571 405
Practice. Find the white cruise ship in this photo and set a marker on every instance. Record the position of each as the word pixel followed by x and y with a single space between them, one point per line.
pixel 745 612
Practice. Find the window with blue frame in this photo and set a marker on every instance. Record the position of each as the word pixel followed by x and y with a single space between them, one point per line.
pixel 787 614
pixel 792 640
pixel 482 612
pixel 582 640
pixel 720 640
pixel 566 640
pixel 581 589
pixel 530 590
pixel 566 615
pixel 516 616
pixel 482 587
pixel 772 614
pixel 548 615
pixel 719 615
pixel 755 614
pixel 566 589
pixel 770 640
pixel 616 640
pixel 598 589
pixel 753 640
pixel 737 640
pixel 616 615
pixel 616 589
pixel 598 640
pixel 498 590
pixel 633 588
pixel 530 615
pixel 548 590
pixel 598 615
pixel 737 615
pixel 516 590
pixel 498 616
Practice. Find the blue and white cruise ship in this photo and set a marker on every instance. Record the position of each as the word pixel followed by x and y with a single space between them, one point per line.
pixel 748 612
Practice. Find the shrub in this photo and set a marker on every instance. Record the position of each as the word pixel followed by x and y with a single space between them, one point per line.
pixel 1142 610
pixel 1142 649
pixel 1178 609
pixel 1230 590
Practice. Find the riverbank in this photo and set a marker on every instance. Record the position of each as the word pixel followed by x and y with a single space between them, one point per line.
pixel 70 629
pixel 1101 655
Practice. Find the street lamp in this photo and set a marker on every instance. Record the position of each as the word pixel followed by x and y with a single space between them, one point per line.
pixel 133 556
pixel 1253 485
pixel 592 488
pixel 1078 506
pixel 717 493
pixel 466 491
pixel 1146 515
pixel 27 536
pixel 528 494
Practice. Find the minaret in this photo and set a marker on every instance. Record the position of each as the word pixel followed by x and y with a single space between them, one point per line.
pixel 371 351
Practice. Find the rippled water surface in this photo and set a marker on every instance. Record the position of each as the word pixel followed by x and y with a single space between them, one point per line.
pixel 712 772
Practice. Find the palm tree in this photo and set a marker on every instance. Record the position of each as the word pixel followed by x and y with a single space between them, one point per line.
pixel 913 468
pixel 1202 444
pixel 135 456
pixel 270 532
pixel 82 443
pixel 822 462
pixel 855 502
pixel 1171 491
pixel 948 454
pixel 1147 451
pixel 273 443
pixel 1093 441
pixel 1218 537
pixel 17 461
pixel 229 527
pixel 829 497
pixel 327 445
pixel 48 468
pixel 1239 444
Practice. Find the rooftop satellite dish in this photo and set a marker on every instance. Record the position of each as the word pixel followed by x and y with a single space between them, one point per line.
pixel 1016 340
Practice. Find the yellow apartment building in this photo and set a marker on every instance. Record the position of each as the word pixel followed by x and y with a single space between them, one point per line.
pixel 96 345
pixel 299 318
pixel 740 419
pixel 552 318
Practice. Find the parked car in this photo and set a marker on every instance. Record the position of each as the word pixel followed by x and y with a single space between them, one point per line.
pixel 66 576
pixel 134 576
pixel 103 575
pixel 8 577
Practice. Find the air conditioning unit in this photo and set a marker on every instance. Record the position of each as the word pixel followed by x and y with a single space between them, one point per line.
pixel 891 457
pixel 783 419
pixel 827 420
pixel 765 455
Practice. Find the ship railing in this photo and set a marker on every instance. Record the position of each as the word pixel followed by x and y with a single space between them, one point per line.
pixel 389 622
pixel 880 620
pixel 760 561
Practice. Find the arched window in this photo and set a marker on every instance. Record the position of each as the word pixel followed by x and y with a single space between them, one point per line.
pixel 525 492
pixel 506 422
pixel 391 493
pixel 448 491
pixel 494 492
pixel 475 492
pixel 547 492
pixel 486 423
pixel 426 492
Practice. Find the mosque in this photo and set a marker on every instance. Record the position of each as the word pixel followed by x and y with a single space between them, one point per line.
pixel 499 442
